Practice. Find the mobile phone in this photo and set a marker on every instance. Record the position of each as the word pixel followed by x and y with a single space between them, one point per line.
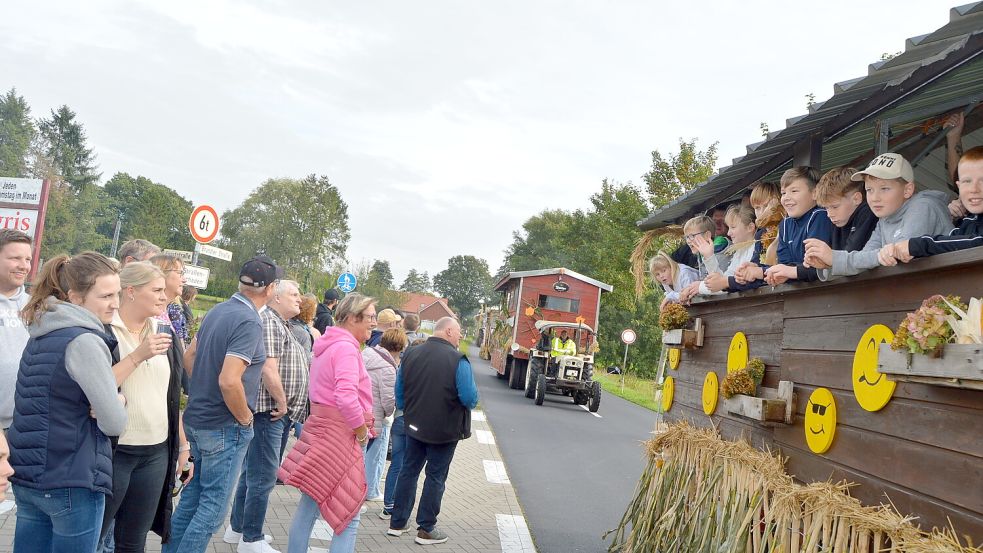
pixel 163 327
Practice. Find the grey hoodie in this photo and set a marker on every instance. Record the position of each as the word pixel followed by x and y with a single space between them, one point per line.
pixel 926 213
pixel 13 338
pixel 87 360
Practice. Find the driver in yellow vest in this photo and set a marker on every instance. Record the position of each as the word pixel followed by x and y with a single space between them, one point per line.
pixel 563 345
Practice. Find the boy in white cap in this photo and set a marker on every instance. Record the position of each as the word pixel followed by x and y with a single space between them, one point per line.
pixel 890 184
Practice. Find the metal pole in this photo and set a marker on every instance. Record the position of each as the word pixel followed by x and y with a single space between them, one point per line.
pixel 119 222
pixel 624 367
pixel 194 256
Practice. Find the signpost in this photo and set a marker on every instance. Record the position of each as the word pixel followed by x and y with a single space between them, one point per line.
pixel 196 276
pixel 628 336
pixel 347 282
pixel 23 205
pixel 204 224
pixel 212 251
pixel 181 254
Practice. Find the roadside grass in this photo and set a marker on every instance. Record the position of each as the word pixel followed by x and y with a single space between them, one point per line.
pixel 639 391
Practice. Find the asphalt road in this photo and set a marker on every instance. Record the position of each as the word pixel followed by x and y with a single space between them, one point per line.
pixel 574 473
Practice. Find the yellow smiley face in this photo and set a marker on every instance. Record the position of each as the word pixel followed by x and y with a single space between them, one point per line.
pixel 711 388
pixel 820 423
pixel 673 358
pixel 668 387
pixel 737 353
pixel 871 388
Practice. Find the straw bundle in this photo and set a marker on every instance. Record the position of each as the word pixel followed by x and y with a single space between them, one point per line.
pixel 703 494
pixel 643 249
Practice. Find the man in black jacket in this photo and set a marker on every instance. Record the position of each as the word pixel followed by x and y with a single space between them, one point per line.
pixel 324 317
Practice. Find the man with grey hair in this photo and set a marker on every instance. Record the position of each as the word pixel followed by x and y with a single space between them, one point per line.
pixel 436 391
pixel 136 250
pixel 225 359
pixel 282 401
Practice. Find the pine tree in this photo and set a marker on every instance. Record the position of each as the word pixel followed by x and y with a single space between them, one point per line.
pixel 65 144
pixel 16 133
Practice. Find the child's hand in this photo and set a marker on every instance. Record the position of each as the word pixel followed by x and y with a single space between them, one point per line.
pixel 818 254
pixel 779 274
pixel 702 245
pixel 689 291
pixel 748 272
pixel 901 252
pixel 957 210
pixel 885 256
pixel 716 282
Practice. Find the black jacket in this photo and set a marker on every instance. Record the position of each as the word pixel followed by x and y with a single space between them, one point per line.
pixel 432 410
pixel 853 236
pixel 969 234
pixel 323 318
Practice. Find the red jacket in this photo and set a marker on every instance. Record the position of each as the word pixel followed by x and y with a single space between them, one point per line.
pixel 327 464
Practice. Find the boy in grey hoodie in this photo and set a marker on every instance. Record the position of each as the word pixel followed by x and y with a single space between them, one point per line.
pixel 902 214
pixel 15 265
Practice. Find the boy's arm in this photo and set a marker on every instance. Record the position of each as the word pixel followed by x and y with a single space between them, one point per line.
pixel 821 229
pixel 924 246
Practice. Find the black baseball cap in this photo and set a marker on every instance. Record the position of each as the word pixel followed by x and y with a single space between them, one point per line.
pixel 331 294
pixel 260 272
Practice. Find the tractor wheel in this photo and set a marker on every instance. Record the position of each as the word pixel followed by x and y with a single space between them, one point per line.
pixel 532 376
pixel 540 389
pixel 595 397
pixel 580 397
pixel 517 375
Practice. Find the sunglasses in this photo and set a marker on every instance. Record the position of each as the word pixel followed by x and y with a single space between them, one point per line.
pixel 819 409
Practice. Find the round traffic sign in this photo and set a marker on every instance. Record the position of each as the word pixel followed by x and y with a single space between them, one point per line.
pixel 347 282
pixel 628 336
pixel 204 224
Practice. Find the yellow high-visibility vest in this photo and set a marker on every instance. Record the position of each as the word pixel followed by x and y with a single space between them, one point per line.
pixel 559 347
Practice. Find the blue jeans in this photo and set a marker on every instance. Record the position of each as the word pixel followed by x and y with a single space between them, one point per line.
pixel 303 524
pixel 375 461
pixel 437 458
pixel 398 437
pixel 258 477
pixel 218 458
pixel 61 519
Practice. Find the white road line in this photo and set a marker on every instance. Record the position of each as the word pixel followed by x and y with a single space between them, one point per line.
pixel 478 416
pixel 321 530
pixel 495 472
pixel 514 534
pixel 584 407
pixel 484 437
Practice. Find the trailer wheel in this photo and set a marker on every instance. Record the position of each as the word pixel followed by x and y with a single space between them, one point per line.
pixel 540 389
pixel 532 376
pixel 518 374
pixel 595 397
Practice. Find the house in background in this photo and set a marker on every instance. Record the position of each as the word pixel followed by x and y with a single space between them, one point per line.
pixel 430 308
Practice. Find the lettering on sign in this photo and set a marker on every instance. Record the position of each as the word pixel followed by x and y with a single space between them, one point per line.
pixel 204 224
pixel 196 276
pixel 561 286
pixel 212 251
pixel 20 191
pixel 19 219
pixel 181 254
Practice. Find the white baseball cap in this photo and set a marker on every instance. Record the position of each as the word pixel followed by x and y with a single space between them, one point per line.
pixel 887 166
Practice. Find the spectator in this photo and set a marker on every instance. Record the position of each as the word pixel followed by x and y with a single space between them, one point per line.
pixel 436 390
pixel 411 324
pixel 766 198
pixel 136 250
pixel 328 463
pixel 173 269
pixel 720 241
pixel 153 446
pixel 5 469
pixel 188 295
pixel 953 152
pixel 282 399
pixel 59 445
pixel 672 276
pixel 698 235
pixel 381 362
pixel 302 325
pixel 225 359
pixel 844 202
pixel 325 311
pixel 15 265
pixel 744 248
pixel 387 319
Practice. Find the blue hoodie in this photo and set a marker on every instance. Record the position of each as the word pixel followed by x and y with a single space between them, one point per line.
pixel 792 234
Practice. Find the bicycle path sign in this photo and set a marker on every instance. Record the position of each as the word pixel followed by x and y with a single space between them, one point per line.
pixel 347 282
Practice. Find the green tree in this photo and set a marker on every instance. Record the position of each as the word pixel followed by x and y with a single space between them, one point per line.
pixel 671 177
pixel 381 274
pixel 65 144
pixel 465 282
pixel 150 211
pixel 416 282
pixel 16 134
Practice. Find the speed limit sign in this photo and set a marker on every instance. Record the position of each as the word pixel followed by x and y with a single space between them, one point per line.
pixel 204 224
pixel 628 336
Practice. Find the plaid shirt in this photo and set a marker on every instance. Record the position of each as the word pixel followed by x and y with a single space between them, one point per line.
pixel 294 366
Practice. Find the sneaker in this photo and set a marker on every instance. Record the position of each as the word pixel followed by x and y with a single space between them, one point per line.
pixel 429 538
pixel 233 537
pixel 375 498
pixel 363 509
pixel 397 532
pixel 255 547
pixel 386 514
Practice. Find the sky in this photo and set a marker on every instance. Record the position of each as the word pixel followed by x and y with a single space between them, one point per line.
pixel 444 124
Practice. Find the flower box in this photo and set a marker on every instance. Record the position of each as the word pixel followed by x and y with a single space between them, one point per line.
pixel 770 407
pixel 685 337
pixel 959 366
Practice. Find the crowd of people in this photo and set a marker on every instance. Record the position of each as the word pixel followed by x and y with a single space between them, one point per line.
pixel 99 451
pixel 813 227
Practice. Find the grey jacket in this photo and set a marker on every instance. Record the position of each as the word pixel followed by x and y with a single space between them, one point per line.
pixel 13 338
pixel 926 213
pixel 382 371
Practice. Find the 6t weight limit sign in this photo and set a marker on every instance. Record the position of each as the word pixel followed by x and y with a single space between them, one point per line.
pixel 204 224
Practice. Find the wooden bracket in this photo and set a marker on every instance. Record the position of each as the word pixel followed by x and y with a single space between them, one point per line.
pixel 770 407
pixel 960 366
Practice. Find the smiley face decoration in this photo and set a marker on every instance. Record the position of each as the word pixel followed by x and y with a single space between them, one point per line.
pixel 871 388
pixel 674 358
pixel 711 392
pixel 668 389
pixel 820 423
pixel 737 354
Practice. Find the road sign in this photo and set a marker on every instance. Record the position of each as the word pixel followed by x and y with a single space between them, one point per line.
pixel 204 224
pixel 23 204
pixel 347 282
pixel 628 336
pixel 183 255
pixel 212 251
pixel 196 276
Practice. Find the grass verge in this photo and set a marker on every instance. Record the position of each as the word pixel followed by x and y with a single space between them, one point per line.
pixel 639 391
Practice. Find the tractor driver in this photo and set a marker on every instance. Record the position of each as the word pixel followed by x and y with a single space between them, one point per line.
pixel 563 345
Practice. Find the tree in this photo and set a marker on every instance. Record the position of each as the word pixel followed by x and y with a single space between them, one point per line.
pixel 465 282
pixel 670 178
pixel 65 144
pixel 16 134
pixel 426 286
pixel 416 282
pixel 381 274
pixel 150 211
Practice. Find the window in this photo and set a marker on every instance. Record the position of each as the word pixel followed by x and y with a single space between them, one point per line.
pixel 554 303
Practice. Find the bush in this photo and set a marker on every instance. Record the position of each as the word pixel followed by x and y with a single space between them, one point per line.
pixel 673 316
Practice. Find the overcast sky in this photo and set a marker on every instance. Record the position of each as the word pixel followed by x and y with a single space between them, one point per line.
pixel 445 124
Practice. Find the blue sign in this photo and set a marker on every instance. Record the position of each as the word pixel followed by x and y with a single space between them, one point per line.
pixel 347 282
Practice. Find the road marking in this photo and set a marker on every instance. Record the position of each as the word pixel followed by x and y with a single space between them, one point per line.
pixel 495 472
pixel 321 530
pixel 514 534
pixel 6 506
pixel 478 416
pixel 485 437
pixel 584 407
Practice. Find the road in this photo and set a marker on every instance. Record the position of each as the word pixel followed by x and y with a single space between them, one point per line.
pixel 574 473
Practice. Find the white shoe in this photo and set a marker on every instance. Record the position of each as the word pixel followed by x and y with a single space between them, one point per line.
pixel 363 509
pixel 376 498
pixel 233 537
pixel 255 547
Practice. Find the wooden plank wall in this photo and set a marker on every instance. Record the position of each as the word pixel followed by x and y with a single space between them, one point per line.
pixel 923 451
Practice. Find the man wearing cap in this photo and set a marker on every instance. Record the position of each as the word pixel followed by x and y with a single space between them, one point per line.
pixel 325 311
pixel 225 359
pixel 388 318
pixel 901 214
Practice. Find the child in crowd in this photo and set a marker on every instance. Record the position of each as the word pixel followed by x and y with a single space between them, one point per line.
pixel 744 248
pixel 672 276
pixel 969 234
pixel 805 220
pixel 719 215
pixel 766 198
pixel 902 214
pixel 698 233
pixel 843 199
